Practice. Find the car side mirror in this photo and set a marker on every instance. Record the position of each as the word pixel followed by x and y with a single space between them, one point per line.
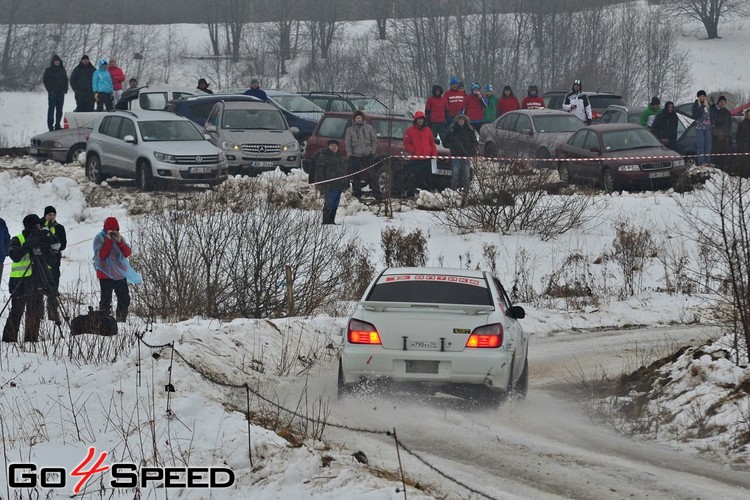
pixel 294 130
pixel 211 128
pixel 129 139
pixel 516 312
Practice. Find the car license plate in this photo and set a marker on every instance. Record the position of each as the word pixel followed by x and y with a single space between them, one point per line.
pixel 420 366
pixel 419 344
pixel 656 175
pixel 200 170
pixel 262 164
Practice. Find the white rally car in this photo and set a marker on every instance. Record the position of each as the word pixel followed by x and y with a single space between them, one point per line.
pixel 453 330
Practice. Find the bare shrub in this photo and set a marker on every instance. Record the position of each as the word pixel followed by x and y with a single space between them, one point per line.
pixel 632 249
pixel 402 249
pixel 523 285
pixel 573 282
pixel 676 261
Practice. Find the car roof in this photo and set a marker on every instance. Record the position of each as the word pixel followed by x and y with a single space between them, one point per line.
pixel 608 127
pixel 471 273
pixel 346 114
pixel 149 116
pixel 219 97
pixel 545 111
pixel 255 104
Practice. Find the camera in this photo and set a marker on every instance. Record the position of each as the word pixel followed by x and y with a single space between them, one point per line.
pixel 42 242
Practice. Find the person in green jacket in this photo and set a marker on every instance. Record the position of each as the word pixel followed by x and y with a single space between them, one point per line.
pixel 649 114
pixel 330 165
pixel 490 104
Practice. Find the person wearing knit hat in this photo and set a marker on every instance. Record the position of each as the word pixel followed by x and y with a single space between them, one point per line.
pixel 701 113
pixel 54 260
pixel 330 172
pixel 113 269
pixel 80 83
pixel 490 104
pixel 651 112
pixel 26 283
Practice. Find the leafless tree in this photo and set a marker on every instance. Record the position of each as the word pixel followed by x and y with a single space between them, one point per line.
pixel 709 12
pixel 384 11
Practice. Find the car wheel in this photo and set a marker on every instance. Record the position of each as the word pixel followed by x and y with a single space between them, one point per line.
pixel 543 154
pixel 388 182
pixel 689 163
pixel 144 177
pixel 343 390
pixel 608 181
pixel 94 169
pixel 564 173
pixel 75 151
pixel 490 150
pixel 522 387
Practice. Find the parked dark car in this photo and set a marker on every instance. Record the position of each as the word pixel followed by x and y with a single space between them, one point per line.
pixel 686 142
pixel 63 145
pixel 529 133
pixel 599 101
pixel 346 101
pixel 390 131
pixel 618 156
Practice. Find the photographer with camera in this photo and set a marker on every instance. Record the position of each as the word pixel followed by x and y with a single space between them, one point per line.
pixel 29 278
pixel 111 253
pixel 58 231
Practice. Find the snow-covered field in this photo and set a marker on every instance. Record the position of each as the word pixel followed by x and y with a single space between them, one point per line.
pixel 64 395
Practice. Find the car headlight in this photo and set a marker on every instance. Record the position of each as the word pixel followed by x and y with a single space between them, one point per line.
pixel 628 168
pixel 678 163
pixel 164 157
pixel 230 146
pixel 291 146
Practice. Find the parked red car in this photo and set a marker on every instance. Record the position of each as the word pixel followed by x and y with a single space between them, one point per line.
pixel 390 131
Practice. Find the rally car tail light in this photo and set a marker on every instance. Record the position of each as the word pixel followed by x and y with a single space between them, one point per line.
pixel 487 336
pixel 360 332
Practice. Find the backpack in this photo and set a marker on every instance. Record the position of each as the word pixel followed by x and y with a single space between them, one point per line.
pixel 95 322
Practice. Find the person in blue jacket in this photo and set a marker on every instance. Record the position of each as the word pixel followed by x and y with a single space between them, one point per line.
pixel 256 91
pixel 4 244
pixel 101 83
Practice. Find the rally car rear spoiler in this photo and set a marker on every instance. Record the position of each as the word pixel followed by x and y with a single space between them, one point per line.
pixel 467 308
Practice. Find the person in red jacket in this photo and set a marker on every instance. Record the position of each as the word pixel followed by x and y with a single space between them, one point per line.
pixel 475 107
pixel 111 252
pixel 507 102
pixel 435 110
pixel 418 141
pixel 532 99
pixel 118 78
pixel 455 98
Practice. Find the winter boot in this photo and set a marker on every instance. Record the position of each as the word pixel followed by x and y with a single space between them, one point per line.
pixel 122 316
pixel 327 217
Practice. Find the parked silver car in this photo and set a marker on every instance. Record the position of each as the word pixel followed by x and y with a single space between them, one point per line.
pixel 152 147
pixel 63 145
pixel 528 133
pixel 254 136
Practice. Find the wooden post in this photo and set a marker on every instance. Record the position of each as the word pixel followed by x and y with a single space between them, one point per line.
pixel 289 289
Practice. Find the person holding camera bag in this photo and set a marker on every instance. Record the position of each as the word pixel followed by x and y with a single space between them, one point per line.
pixel 111 253
pixel 28 278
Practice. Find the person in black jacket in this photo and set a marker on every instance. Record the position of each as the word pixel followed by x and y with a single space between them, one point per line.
pixel 330 167
pixel 665 124
pixel 55 80
pixel 462 141
pixel 80 82
pixel 54 259
pixel 203 86
pixel 722 131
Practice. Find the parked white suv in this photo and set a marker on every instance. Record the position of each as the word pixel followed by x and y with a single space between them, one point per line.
pixel 254 136
pixel 152 147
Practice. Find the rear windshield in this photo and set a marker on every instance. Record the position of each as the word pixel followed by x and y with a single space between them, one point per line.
pixel 296 103
pixel 431 289
pixel 605 101
pixel 394 129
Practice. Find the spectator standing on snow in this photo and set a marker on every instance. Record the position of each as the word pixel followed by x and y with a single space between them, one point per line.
pixel 436 110
pixel 462 141
pixel 132 84
pixel 113 270
pixel 80 81
pixel 330 165
pixel 664 125
pixel 102 86
pixel 532 99
pixel 361 143
pixel 743 135
pixel 475 107
pixel 722 131
pixel 418 141
pixel 701 113
pixel 4 244
pixel 508 102
pixel 118 79
pixel 54 260
pixel 256 91
pixel 490 104
pixel 651 112
pixel 55 80
pixel 455 98
pixel 203 86
pixel 577 103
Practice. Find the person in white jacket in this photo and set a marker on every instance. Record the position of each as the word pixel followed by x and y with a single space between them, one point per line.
pixel 577 103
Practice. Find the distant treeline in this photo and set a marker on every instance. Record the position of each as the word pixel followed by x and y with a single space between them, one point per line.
pixel 137 12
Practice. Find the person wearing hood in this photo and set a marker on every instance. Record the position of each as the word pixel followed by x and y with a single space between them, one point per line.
pixel 101 84
pixel 490 104
pixel 330 172
pixel 118 79
pixel 26 283
pixel 80 81
pixel 664 125
pixel 418 141
pixel 436 111
pixel 455 100
pixel 532 100
pixel 577 103
pixel 361 143
pixel 113 270
pixel 462 141
pixel 203 86
pixel 508 102
pixel 701 113
pixel 49 221
pixel 475 107
pixel 55 81
pixel 651 112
